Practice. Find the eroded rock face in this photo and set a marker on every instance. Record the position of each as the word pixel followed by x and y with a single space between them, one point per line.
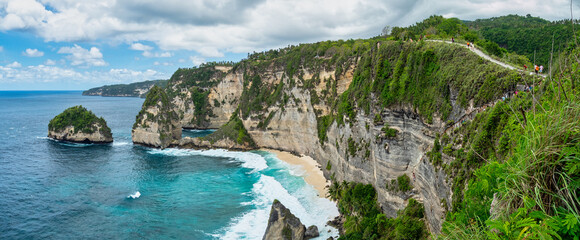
pixel 69 135
pixel 77 124
pixel 223 93
pixel 157 125
pixel 283 225
pixel 198 143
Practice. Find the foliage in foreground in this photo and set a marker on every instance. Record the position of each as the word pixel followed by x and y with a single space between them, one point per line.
pixel 528 184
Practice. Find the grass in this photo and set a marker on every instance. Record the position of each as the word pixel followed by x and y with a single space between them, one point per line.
pixel 531 167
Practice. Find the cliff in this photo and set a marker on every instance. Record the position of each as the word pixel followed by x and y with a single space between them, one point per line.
pixel 157 124
pixel 368 110
pixel 77 124
pixel 138 89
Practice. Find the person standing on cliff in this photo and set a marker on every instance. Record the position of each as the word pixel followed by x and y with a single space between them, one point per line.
pixel 541 68
pixel 452 40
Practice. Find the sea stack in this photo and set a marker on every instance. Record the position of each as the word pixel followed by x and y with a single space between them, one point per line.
pixel 79 125
pixel 157 124
pixel 283 225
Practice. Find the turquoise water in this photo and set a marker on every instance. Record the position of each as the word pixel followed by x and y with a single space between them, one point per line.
pixel 56 190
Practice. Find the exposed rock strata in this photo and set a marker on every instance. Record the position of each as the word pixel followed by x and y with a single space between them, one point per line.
pixel 68 134
pixel 157 124
pixel 199 143
pixel 283 225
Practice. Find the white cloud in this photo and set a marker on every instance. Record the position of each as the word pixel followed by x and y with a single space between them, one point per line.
pixel 214 27
pixel 197 60
pixel 1 48
pixel 157 55
pixel 33 53
pixel 140 47
pixel 50 62
pixel 23 14
pixel 14 65
pixel 51 74
pixel 83 57
pixel 132 74
pixel 162 63
pixel 147 51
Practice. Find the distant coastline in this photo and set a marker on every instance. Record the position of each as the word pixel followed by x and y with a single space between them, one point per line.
pixel 138 89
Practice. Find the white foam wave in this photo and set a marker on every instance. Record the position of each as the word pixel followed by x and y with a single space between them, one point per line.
pixel 249 160
pixel 135 195
pixel 117 144
pixel 252 224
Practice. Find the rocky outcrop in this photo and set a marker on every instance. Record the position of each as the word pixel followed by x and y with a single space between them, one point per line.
pixel 200 143
pixel 311 232
pixel 283 225
pixel 77 124
pixel 157 125
pixel 68 134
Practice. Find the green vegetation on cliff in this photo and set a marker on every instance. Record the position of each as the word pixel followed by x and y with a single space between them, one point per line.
pixel 165 116
pixel 520 177
pixel 363 217
pixel 233 130
pixel 423 75
pixel 81 119
pixel 192 86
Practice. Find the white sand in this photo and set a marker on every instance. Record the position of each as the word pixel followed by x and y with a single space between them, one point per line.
pixel 313 174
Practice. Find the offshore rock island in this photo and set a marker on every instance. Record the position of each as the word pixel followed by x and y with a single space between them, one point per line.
pixel 403 123
pixel 79 125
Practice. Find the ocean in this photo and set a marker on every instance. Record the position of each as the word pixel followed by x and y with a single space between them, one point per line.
pixel 56 190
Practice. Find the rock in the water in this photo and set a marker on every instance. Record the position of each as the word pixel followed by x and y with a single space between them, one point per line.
pixel 77 124
pixel 157 124
pixel 311 232
pixel 283 225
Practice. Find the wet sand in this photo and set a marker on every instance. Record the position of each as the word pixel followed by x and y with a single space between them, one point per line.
pixel 313 174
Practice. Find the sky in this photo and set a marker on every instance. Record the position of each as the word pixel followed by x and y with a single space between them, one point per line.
pixel 80 44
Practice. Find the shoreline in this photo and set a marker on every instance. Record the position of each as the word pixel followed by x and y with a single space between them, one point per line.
pixel 313 175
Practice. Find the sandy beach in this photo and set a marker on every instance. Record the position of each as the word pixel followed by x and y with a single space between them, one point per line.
pixel 313 175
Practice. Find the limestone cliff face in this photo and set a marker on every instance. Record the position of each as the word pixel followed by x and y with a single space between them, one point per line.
pixel 336 105
pixel 283 225
pixel 157 125
pixel 70 135
pixel 205 98
pixel 296 131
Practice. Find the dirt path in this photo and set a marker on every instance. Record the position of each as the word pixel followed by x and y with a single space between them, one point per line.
pixel 485 56
pixel 469 114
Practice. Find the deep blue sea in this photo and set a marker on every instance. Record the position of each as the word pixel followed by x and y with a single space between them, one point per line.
pixel 55 190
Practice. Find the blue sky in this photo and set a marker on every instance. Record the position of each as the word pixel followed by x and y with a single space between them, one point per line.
pixel 76 45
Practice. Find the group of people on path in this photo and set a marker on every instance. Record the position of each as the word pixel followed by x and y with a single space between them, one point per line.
pixel 469 45
pixel 537 69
